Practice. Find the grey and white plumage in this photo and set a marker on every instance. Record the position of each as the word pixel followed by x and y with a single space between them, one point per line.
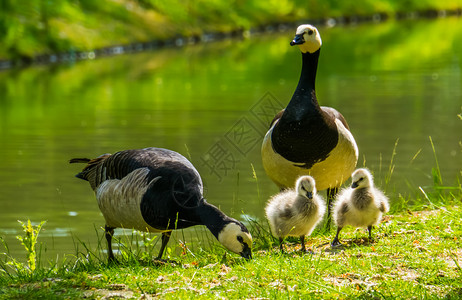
pixel 361 205
pixel 157 190
pixel 295 212
pixel 306 138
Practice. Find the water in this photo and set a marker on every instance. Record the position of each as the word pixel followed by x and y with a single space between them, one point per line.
pixel 394 83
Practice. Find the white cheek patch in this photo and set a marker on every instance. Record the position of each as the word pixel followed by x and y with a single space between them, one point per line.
pixel 312 42
pixel 308 47
pixel 311 45
pixel 228 237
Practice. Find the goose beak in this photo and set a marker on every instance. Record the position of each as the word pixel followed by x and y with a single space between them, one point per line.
pixel 298 40
pixel 246 253
pixel 309 195
pixel 354 185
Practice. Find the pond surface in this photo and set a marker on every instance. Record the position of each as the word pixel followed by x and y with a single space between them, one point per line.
pixel 397 83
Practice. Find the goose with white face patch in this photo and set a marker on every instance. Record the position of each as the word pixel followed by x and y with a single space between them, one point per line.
pixel 157 190
pixel 305 138
pixel 295 212
pixel 361 205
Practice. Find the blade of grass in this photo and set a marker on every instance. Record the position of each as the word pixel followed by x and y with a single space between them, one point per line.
pixel 437 176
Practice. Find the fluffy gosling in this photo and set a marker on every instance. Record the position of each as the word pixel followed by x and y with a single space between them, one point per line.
pixel 295 212
pixel 360 205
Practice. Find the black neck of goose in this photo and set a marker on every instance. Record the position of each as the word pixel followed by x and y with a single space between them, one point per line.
pixel 304 98
pixel 309 69
pixel 213 218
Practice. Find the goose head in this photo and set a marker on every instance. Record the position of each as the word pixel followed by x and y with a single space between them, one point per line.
pixel 306 186
pixel 236 238
pixel 307 38
pixel 362 178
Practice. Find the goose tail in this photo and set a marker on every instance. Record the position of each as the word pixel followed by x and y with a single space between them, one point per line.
pixel 79 160
pixel 91 164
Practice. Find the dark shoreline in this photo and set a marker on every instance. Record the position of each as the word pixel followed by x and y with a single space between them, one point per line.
pixel 180 41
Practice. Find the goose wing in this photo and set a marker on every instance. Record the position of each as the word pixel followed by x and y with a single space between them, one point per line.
pixel 381 200
pixel 162 183
pixel 276 117
pixel 335 114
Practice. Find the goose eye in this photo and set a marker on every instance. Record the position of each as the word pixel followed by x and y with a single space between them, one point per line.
pixel 240 239
pixel 310 32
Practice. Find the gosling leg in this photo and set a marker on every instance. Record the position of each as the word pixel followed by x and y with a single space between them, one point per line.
pixel 281 240
pixel 165 238
pixel 369 228
pixel 302 241
pixel 109 232
pixel 335 241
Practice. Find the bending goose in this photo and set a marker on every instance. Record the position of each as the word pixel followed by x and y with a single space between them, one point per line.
pixel 308 139
pixel 360 205
pixel 157 190
pixel 295 212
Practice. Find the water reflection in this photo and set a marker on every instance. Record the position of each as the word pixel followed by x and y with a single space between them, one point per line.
pixel 392 81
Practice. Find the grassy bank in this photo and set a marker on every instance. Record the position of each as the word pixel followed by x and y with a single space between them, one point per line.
pixel 31 28
pixel 416 253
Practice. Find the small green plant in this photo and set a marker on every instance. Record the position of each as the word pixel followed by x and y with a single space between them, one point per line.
pixel 29 241
pixel 17 270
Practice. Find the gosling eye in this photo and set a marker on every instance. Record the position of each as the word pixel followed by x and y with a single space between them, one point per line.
pixel 310 32
pixel 240 239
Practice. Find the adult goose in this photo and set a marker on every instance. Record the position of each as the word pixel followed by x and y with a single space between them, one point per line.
pixel 308 139
pixel 157 190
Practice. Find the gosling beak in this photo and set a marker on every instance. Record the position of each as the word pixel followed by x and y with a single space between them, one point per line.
pixel 246 253
pixel 298 40
pixel 354 185
pixel 309 195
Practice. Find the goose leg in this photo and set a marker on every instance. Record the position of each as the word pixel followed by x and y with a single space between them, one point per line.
pixel 109 232
pixel 165 238
pixel 335 241
pixel 331 193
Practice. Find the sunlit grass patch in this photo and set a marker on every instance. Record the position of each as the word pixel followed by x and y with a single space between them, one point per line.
pixel 414 254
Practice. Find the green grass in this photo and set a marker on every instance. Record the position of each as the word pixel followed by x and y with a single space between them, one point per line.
pixel 413 255
pixel 416 253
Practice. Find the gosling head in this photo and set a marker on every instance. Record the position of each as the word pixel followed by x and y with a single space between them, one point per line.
pixel 362 178
pixel 306 186
pixel 236 238
pixel 307 38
